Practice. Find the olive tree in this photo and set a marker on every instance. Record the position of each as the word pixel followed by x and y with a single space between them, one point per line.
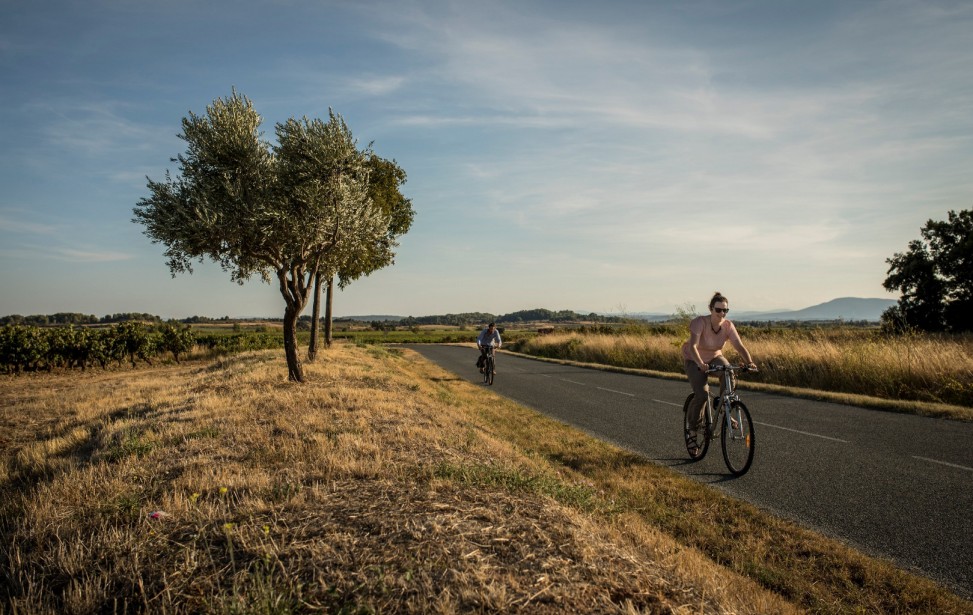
pixel 284 211
pixel 385 179
pixel 326 167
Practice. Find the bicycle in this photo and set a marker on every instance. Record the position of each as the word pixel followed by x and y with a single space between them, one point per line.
pixel 731 422
pixel 489 365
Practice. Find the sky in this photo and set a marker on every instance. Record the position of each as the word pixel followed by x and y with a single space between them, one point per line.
pixel 611 156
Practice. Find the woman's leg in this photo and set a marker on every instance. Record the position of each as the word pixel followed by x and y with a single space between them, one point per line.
pixel 719 360
pixel 698 380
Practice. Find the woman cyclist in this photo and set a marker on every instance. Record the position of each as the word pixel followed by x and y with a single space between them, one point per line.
pixel 707 336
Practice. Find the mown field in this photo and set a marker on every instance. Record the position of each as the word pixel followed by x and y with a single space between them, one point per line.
pixel 383 484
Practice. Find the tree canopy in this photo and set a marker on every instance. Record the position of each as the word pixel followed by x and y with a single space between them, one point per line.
pixel 385 178
pixel 935 277
pixel 287 211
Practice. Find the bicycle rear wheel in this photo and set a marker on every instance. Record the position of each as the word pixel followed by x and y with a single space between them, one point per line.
pixel 738 442
pixel 697 442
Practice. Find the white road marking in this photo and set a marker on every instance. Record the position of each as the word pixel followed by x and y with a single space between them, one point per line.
pixel 944 463
pixel 668 403
pixel 803 433
pixel 614 391
pixel 571 381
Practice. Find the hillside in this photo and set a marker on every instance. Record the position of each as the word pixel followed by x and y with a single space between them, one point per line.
pixel 480 318
pixel 844 308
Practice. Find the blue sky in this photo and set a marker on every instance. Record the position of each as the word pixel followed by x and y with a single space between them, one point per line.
pixel 606 156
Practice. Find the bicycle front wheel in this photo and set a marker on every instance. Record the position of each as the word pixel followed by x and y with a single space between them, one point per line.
pixel 697 441
pixel 488 370
pixel 738 440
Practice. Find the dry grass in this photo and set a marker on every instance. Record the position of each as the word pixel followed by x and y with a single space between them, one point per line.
pixel 927 370
pixel 375 488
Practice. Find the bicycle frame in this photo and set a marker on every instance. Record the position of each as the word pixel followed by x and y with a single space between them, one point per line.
pixel 723 401
pixel 725 415
pixel 489 364
pixel 491 352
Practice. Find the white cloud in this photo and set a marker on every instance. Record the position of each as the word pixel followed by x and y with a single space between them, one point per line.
pixel 95 129
pixel 89 256
pixel 11 225
pixel 376 85
pixel 50 251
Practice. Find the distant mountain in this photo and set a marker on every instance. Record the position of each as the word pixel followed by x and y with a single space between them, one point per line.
pixel 845 308
pixel 650 316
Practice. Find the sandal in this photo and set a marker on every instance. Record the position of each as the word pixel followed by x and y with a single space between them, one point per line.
pixel 691 445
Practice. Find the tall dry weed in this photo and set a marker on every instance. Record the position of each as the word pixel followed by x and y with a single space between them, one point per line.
pixel 917 367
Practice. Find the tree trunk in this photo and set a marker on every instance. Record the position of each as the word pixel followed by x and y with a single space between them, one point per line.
pixel 312 348
pixel 295 372
pixel 328 313
pixel 295 286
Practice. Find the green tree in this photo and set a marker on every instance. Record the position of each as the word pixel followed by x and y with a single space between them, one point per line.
pixel 176 339
pixel 132 339
pixel 328 169
pixel 935 277
pixel 22 348
pixel 285 211
pixel 384 189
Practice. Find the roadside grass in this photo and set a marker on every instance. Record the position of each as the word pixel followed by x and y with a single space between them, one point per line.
pixel 218 487
pixel 813 572
pixel 384 484
pixel 922 374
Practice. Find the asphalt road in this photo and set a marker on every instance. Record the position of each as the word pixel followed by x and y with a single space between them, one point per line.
pixel 892 485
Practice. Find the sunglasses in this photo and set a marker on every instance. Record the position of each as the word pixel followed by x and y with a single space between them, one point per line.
pixel 721 310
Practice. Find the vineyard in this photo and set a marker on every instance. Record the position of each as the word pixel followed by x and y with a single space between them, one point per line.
pixel 26 348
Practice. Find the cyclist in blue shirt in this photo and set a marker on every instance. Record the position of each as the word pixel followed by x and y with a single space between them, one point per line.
pixel 487 338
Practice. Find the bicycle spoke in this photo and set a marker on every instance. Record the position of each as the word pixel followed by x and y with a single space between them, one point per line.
pixel 726 417
pixel 738 440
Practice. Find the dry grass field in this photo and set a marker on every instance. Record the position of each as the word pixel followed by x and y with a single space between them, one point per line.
pixel 382 485
pixel 934 373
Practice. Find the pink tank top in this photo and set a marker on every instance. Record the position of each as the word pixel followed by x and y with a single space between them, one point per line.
pixel 710 343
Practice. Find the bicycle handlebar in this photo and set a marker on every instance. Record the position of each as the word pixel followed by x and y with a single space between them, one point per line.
pixel 731 368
